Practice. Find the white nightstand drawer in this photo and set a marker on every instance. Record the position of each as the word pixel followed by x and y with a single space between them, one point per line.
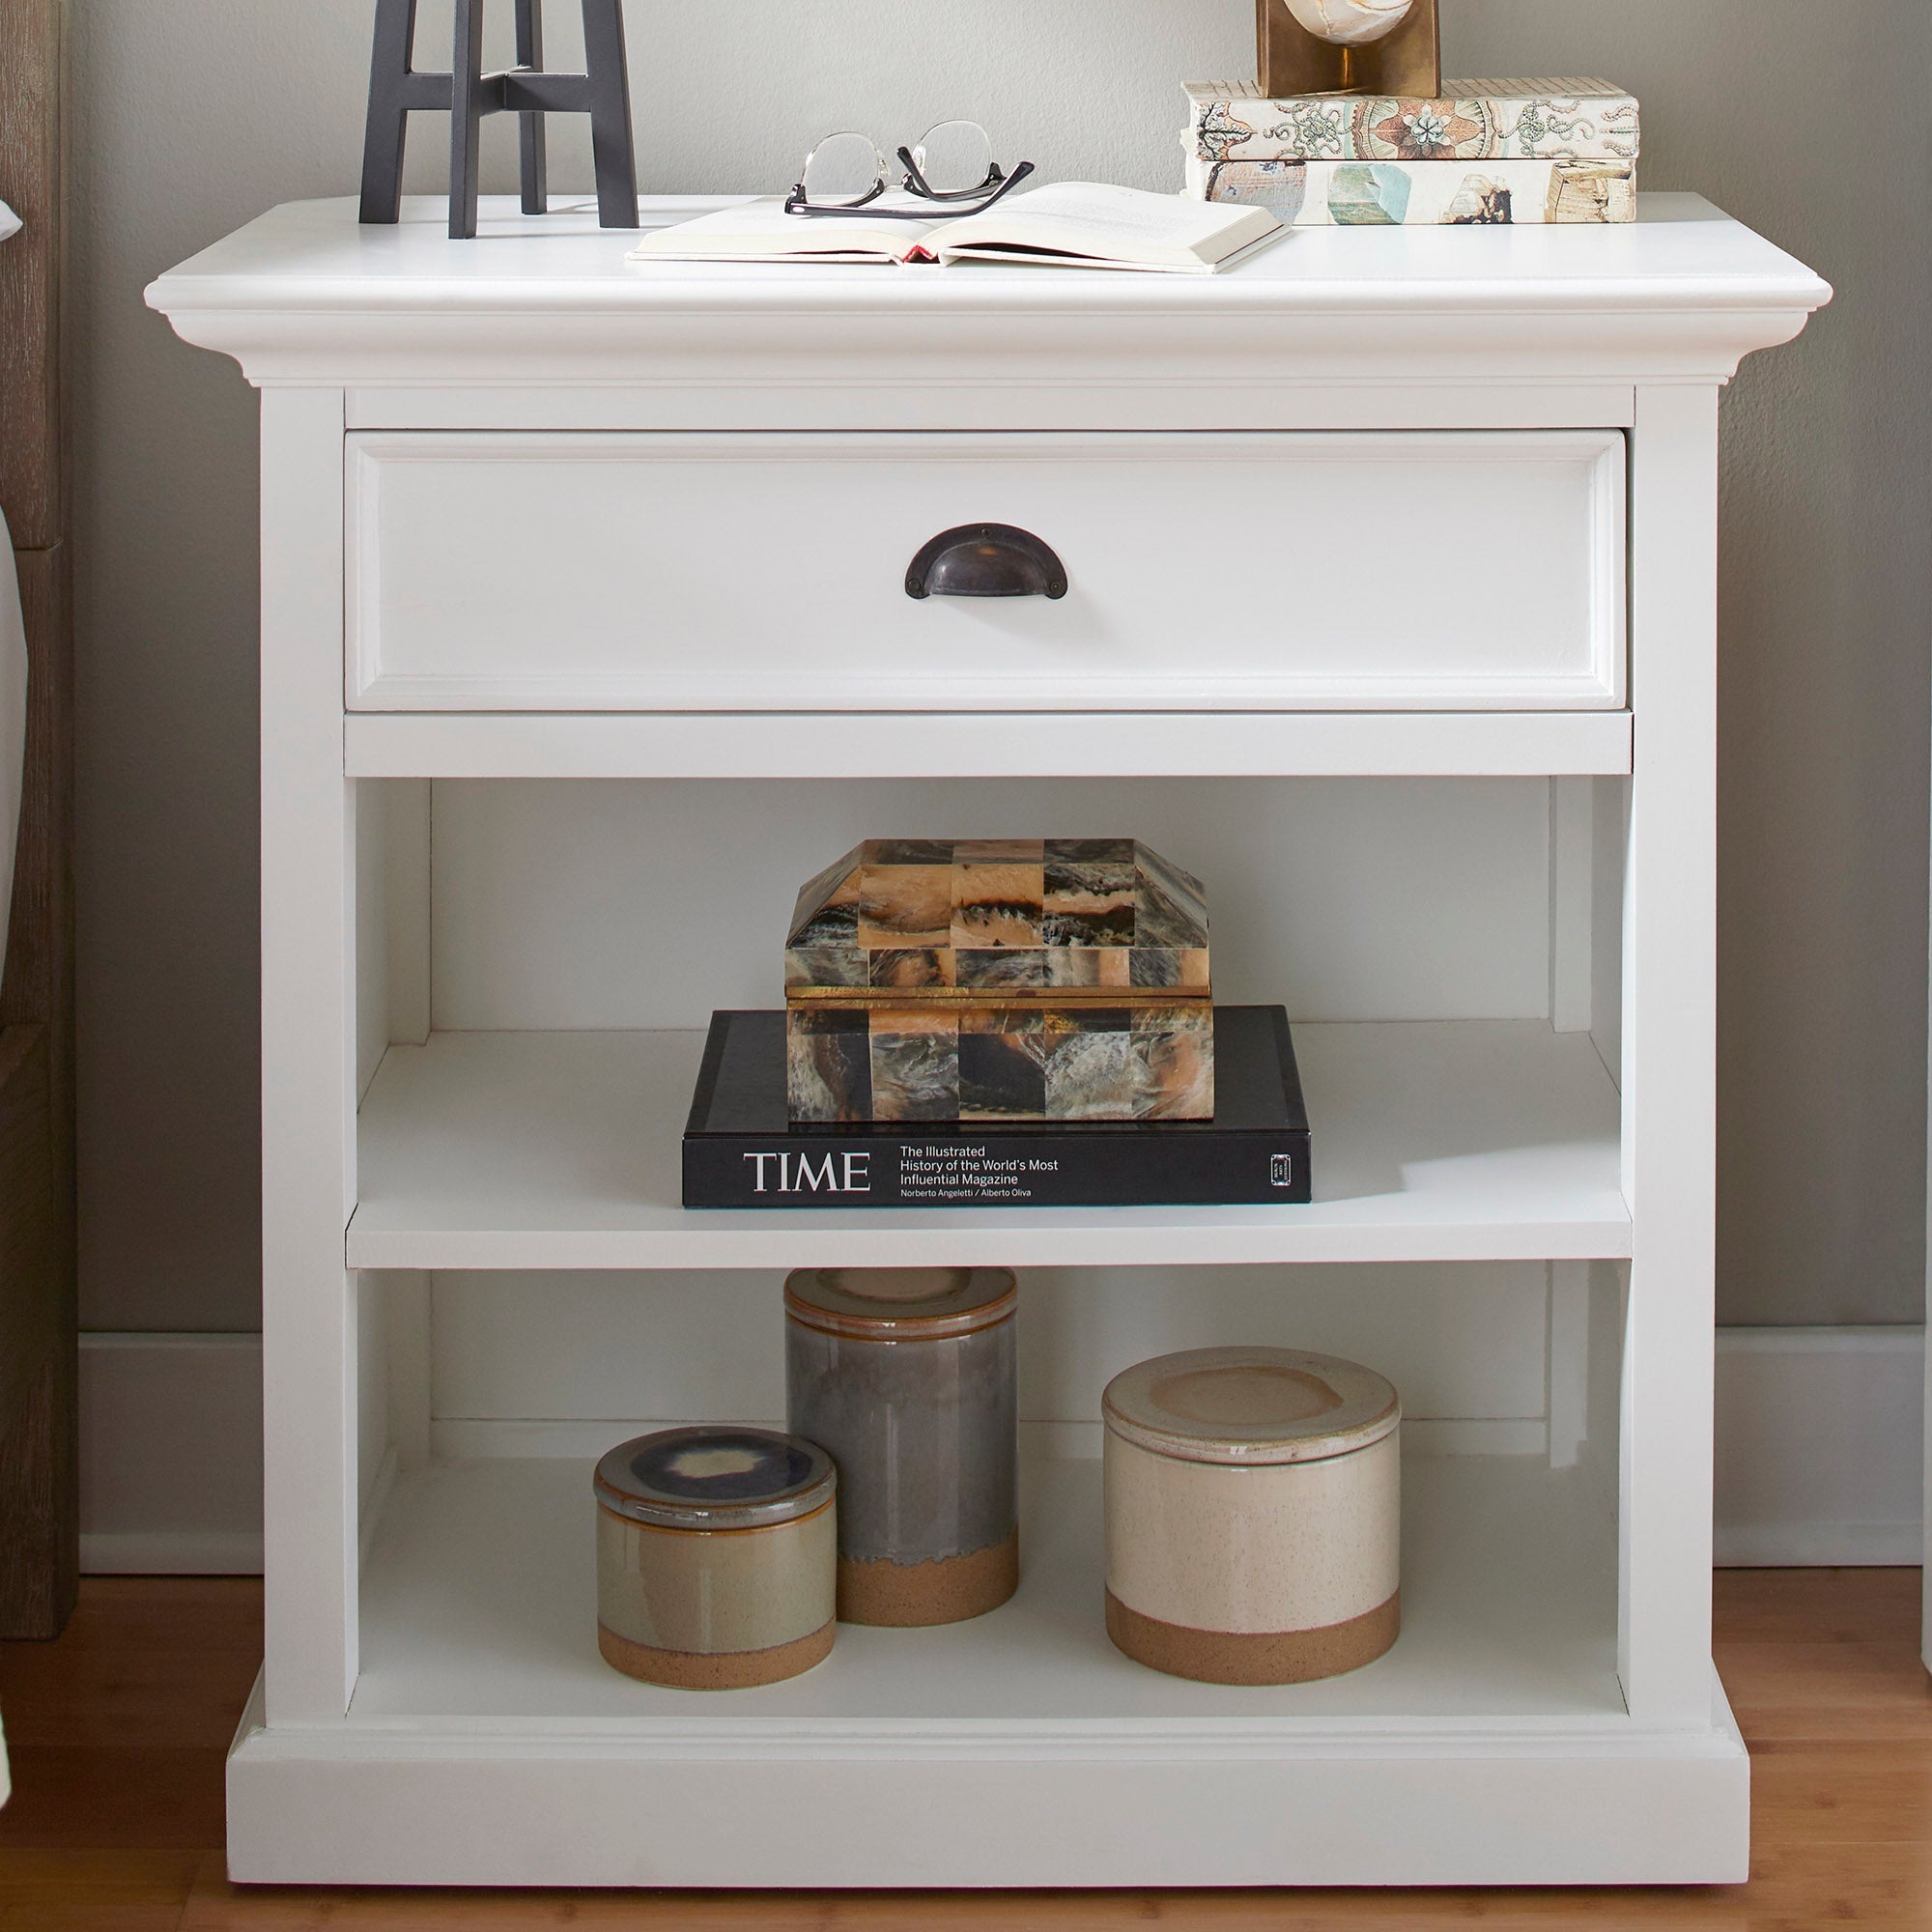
pixel 767 572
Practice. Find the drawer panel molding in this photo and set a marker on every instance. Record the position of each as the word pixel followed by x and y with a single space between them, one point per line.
pixel 765 572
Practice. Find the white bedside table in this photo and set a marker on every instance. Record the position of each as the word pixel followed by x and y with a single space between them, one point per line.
pixel 585 640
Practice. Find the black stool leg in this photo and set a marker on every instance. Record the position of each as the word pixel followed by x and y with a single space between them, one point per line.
pixel 612 149
pixel 466 117
pixel 389 119
pixel 529 54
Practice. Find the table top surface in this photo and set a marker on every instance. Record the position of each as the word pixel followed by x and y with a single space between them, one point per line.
pixel 314 256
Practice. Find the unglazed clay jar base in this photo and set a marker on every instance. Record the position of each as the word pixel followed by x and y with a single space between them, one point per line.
pixel 1255 1657
pixel 945 1591
pixel 717 1670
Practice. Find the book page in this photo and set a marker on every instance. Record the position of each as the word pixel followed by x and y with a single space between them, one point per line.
pixel 761 231
pixel 1098 222
pixel 1059 258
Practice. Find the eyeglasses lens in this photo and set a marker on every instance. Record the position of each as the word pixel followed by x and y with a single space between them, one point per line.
pixel 954 156
pixel 843 168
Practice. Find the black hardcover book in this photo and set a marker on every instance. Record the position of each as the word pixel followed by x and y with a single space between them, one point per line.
pixel 741 1152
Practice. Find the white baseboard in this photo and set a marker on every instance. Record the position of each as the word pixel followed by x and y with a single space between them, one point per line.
pixel 1819 1435
pixel 1819 1458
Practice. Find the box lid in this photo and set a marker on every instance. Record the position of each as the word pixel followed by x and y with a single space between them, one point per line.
pixel 902 1304
pixel 713 1476
pixel 1251 1406
pixel 1004 918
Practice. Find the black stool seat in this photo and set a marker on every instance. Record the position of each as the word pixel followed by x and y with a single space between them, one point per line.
pixel 466 94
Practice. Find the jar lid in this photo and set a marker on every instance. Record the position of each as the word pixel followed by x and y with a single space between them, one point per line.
pixel 710 1475
pixel 1251 1406
pixel 913 1304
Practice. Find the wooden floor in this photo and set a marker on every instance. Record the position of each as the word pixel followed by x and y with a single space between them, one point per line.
pixel 117 1734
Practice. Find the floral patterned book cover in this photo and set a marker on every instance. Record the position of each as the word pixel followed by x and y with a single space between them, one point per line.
pixel 1423 194
pixel 1474 121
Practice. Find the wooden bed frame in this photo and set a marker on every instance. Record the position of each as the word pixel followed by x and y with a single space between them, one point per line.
pixel 39 1359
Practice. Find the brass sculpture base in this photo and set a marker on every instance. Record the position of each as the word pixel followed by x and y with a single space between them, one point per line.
pixel 1291 61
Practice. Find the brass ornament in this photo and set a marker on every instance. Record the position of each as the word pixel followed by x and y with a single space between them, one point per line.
pixel 1340 47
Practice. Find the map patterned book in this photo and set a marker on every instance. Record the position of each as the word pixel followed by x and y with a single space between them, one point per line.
pixel 1472 121
pixel 1422 195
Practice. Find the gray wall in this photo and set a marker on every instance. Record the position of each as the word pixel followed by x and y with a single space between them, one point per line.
pixel 194 115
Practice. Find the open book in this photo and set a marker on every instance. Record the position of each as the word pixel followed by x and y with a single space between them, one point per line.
pixel 1069 225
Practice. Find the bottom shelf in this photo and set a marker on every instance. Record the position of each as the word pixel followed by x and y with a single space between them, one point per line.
pixel 479 1606
pixel 488 1744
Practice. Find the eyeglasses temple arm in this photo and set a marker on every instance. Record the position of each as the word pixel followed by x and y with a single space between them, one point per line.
pixel 919 184
pixel 1006 188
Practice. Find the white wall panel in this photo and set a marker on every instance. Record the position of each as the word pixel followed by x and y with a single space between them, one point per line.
pixel 648 903
pixel 1459 1342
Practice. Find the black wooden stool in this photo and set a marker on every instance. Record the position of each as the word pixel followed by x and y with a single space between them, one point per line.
pixel 467 94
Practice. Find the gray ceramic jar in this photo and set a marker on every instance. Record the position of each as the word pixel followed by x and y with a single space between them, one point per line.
pixel 907 1376
pixel 715 1553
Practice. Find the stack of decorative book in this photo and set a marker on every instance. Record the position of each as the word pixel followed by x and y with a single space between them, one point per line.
pixel 998 1022
pixel 1488 152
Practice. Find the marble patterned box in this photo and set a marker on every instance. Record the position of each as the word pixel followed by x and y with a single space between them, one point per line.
pixel 1423 194
pixel 1473 121
pixel 1000 979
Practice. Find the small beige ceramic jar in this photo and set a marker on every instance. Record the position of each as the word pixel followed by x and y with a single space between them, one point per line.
pixel 1253 1515
pixel 716 1556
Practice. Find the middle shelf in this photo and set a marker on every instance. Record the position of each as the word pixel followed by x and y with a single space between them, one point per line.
pixel 1433 1141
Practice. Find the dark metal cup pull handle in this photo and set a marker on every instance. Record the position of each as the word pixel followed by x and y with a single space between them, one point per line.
pixel 985 560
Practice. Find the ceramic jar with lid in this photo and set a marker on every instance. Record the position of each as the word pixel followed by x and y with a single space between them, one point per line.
pixel 1253 1505
pixel 907 1376
pixel 715 1557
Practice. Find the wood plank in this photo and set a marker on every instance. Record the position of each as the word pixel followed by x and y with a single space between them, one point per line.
pixel 1827 1690
pixel 39 1387
pixel 95 1890
pixel 39 1548
pixel 32 473
pixel 216 1906
pixel 1841 1794
pixel 130 1615
pixel 1818 1606
pixel 1842 1885
pixel 1877 1884
pixel 40 1565
pixel 151 1797
pixel 39 980
pixel 38 1485
pixel 145 1663
pixel 120 1697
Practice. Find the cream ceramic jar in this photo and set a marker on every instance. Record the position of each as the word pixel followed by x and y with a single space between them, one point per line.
pixel 1253 1503
pixel 716 1554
